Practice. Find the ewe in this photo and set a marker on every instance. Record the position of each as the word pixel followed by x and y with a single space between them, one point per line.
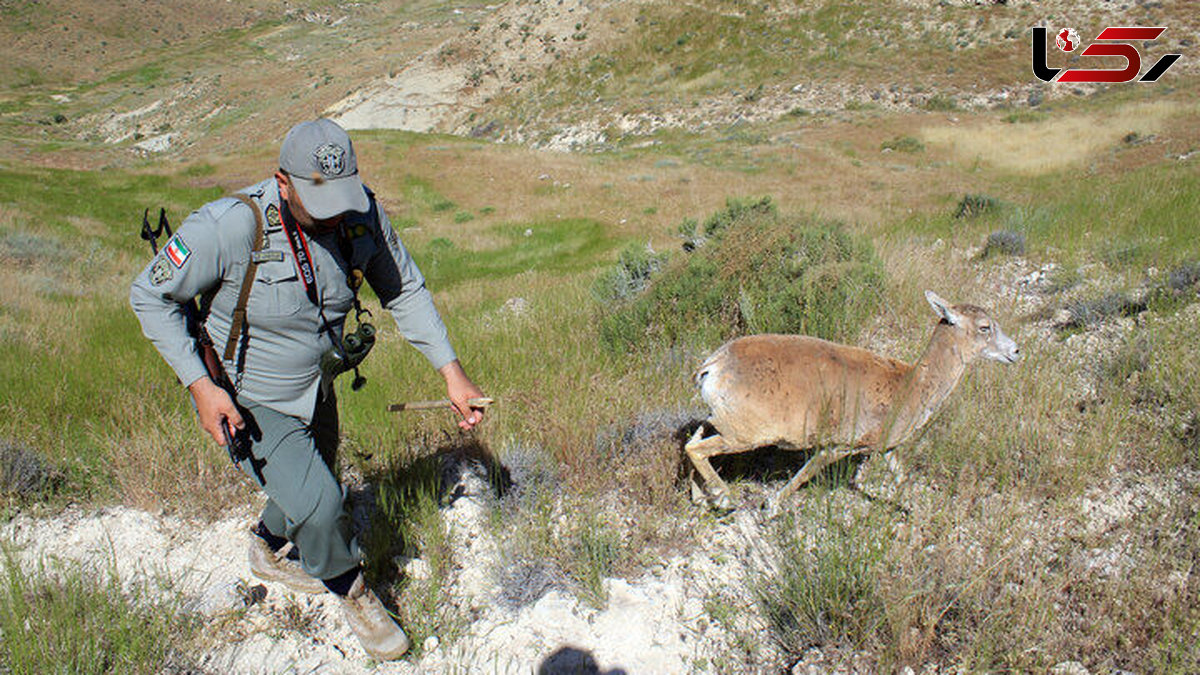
pixel 801 392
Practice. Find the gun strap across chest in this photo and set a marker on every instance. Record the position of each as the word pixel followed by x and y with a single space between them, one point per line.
pixel 239 312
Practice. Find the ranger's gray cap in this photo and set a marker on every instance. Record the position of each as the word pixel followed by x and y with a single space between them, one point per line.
pixel 319 158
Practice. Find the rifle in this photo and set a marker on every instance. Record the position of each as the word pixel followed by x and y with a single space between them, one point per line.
pixel 237 446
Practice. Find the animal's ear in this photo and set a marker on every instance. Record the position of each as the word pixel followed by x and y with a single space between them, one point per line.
pixel 942 308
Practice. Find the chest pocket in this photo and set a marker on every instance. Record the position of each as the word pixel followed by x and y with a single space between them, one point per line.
pixel 277 293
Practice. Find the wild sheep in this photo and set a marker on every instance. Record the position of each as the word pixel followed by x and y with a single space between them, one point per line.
pixel 799 392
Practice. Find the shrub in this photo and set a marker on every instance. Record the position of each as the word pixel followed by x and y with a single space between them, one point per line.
pixel 24 473
pixel 636 264
pixel 1093 311
pixel 1006 242
pixel 903 144
pixel 974 205
pixel 756 272
pixel 941 103
pixel 1184 276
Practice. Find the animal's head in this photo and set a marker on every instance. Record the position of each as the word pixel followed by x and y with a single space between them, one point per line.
pixel 980 333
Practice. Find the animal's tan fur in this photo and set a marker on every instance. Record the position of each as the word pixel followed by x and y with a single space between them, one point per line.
pixel 801 392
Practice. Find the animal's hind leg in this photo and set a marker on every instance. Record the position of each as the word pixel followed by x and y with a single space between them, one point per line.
pixel 699 450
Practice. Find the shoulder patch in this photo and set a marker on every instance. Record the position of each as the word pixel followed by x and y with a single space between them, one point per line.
pixel 177 251
pixel 161 272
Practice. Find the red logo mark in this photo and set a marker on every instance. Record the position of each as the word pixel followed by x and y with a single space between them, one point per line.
pixel 1067 40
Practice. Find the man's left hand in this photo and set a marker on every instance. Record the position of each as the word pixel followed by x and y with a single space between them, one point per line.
pixel 461 388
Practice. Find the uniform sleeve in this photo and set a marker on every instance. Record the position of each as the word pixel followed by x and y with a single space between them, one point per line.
pixel 394 277
pixel 190 263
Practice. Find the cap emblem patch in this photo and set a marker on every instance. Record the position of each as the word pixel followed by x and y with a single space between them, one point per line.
pixel 331 158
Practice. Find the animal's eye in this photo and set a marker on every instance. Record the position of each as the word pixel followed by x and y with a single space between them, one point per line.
pixel 985 329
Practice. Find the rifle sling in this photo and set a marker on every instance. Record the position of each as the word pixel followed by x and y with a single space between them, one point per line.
pixel 239 312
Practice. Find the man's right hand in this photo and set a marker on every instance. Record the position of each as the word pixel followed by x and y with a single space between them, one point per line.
pixel 215 408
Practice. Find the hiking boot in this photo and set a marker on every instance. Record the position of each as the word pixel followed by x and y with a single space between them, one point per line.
pixel 372 624
pixel 275 566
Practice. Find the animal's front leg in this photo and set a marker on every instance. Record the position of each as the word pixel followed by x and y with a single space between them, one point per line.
pixel 811 468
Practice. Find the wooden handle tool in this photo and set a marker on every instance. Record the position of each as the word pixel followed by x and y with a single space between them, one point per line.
pixel 481 402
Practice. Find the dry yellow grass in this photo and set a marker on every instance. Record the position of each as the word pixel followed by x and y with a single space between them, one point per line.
pixel 1053 144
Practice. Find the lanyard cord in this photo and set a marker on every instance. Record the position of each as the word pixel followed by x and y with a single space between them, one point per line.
pixel 308 275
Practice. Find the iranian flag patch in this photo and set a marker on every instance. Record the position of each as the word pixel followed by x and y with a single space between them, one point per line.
pixel 177 251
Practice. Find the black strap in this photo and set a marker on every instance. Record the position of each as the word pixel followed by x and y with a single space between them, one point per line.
pixel 308 272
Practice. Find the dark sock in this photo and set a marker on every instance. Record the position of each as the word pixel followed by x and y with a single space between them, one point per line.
pixel 275 543
pixel 341 584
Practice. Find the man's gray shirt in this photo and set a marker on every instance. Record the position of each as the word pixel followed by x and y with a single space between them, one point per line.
pixel 283 332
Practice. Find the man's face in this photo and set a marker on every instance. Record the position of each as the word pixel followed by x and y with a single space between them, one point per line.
pixel 301 214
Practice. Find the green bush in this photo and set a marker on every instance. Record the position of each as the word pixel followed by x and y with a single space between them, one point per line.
pixel 753 271
pixel 975 205
pixel 903 144
pixel 636 264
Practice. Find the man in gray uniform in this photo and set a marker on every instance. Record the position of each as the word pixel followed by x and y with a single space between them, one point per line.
pixel 323 233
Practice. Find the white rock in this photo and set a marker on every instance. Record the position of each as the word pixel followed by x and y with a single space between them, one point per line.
pixel 155 144
pixel 418 569
pixel 516 306
pixel 1069 668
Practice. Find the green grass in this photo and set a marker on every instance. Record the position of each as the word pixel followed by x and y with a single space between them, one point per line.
pixel 68 619
pixel 50 197
pixel 1128 222
pixel 420 193
pixel 825 592
pixel 554 246
pixel 408 523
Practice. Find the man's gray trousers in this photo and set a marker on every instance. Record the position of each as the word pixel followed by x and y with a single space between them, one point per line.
pixel 305 502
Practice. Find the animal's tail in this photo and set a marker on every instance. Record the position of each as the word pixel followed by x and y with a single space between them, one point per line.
pixel 711 364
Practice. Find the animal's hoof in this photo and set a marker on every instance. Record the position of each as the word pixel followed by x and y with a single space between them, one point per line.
pixel 721 502
pixel 771 509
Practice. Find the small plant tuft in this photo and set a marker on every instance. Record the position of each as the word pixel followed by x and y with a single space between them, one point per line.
pixel 975 205
pixel 907 144
pixel 635 266
pixel 1184 277
pixel 824 591
pixel 1004 242
pixel 24 474
pixel 595 549
pixel 1133 356
pixel 1091 312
